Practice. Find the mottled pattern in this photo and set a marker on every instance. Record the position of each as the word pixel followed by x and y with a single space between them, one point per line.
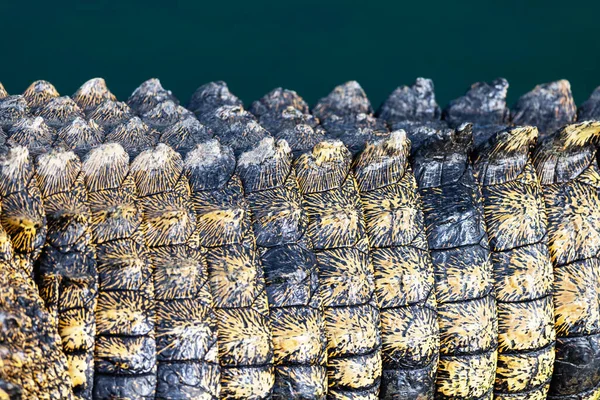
pixel 186 348
pixel 91 94
pixel 66 271
pixel 404 279
pixel 566 163
pixel 38 94
pixel 454 217
pixel 337 229
pixel 125 351
pixel 290 269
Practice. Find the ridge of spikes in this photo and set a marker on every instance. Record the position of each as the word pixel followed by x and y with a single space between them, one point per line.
pixel 348 98
pixel 165 114
pixel 148 95
pixel 91 94
pixel 111 113
pixel 60 111
pixel 81 135
pixel 483 104
pixel 33 133
pixel 278 100
pixel 38 94
pixel 211 96
pixel 12 109
pixel 590 109
pixel 184 135
pixel 411 103
pixel 3 92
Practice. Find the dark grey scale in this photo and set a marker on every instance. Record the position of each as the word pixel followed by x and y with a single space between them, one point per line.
pixel 165 114
pixel 23 216
pixel 60 111
pixel 33 133
pixel 336 228
pixel 548 106
pixel 290 269
pixel 235 273
pixel 12 110
pixel 38 94
pixel 454 218
pixel 133 135
pixel 110 114
pixel 186 327
pixel 10 391
pixel 285 116
pixel 125 348
pixel 91 94
pixel 590 109
pixel 404 278
pixel 209 97
pixel 346 114
pixel 567 165
pixel 80 136
pixel 148 95
pixel 185 134
pixel 66 270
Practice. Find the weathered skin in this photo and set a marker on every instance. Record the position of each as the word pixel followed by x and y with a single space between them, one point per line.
pixel 285 115
pixel 347 115
pixel 133 135
pixel 9 391
pixel 291 274
pixel 184 135
pixel 209 97
pixel 235 273
pixel 110 113
pixel 80 136
pixel 13 109
pixel 33 133
pixel 404 278
pixel 125 353
pixel 515 216
pixel 66 271
pixel 165 114
pixel 38 94
pixel 407 104
pixel 337 230
pixel 454 217
pixel 590 109
pixel 60 111
pixel 91 94
pixel 148 95
pixel 568 169
pixel 548 107
pixel 23 216
pixel 186 334
pixel 3 92
pixel 31 360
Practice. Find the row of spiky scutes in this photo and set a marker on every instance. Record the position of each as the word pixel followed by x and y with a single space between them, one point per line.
pixel 66 270
pixel 290 268
pixel 235 273
pixel 32 364
pixel 186 337
pixel 125 350
pixel 566 163
pixel 336 228
pixel 404 279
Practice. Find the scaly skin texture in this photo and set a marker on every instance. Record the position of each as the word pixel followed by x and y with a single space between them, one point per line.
pixel 235 273
pixel 33 133
pixel 38 94
pixel 337 230
pixel 515 216
pixel 66 271
pixel 23 216
pixel 125 352
pixel 568 170
pixel 404 278
pixel 91 94
pixel 290 268
pixel 453 209
pixel 31 361
pixel 186 337
pixel 134 135
pixel 148 95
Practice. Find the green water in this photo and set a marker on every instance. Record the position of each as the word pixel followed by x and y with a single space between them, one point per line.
pixel 307 46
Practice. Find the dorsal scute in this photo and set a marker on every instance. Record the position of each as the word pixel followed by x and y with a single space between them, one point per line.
pixel 105 167
pixel 210 165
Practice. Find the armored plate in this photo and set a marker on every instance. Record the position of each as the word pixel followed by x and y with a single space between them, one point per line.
pixel 590 109
pixel 567 166
pixel 278 100
pixel 3 92
pixel 337 230
pixel 38 94
pixel 165 114
pixel 517 230
pixel 346 99
pixel 403 271
pixel 91 94
pixel 454 218
pixel 66 271
pixel 185 134
pixel 80 136
pixel 209 97
pixel 235 273
pixel 290 268
pixel 60 111
pixel 125 351
pixel 110 113
pixel 134 136
pixel 408 104
pixel 13 109
pixel 148 95
pixel 32 133
pixel 186 337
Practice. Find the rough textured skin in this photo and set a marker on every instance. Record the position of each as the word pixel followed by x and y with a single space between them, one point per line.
pixel 548 107
pixel 33 133
pixel 290 268
pixel 337 230
pixel 91 94
pixel 60 111
pixel 38 94
pixel 133 135
pixel 184 135
pixel 209 97
pixel 235 273
pixel 125 352
pixel 186 337
pixel 517 229
pixel 165 114
pixel 66 270
pixel 31 361
pixel 80 136
pixel 111 113
pixel 346 115
pixel 568 169
pixel 590 109
pixel 454 217
pixel 12 109
pixel 3 92
pixel 285 115
pixel 148 95
pixel 404 278
pixel 23 216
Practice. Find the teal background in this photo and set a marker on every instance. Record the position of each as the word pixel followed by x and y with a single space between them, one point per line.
pixel 308 46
